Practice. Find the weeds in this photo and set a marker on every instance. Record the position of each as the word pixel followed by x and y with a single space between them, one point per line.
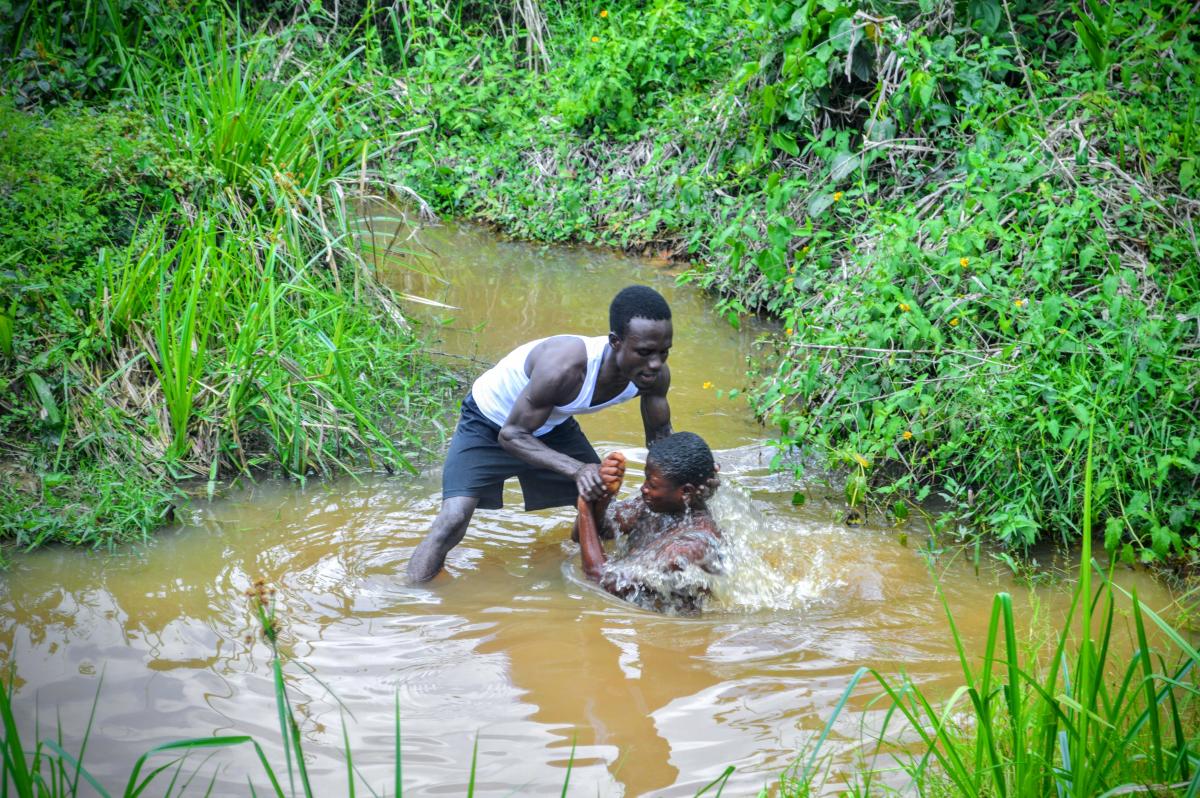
pixel 184 296
pixel 1085 722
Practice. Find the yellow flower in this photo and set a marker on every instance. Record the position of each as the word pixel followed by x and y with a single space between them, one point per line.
pixel 1020 303
pixel 789 331
pixel 706 385
pixel 595 39
pixel 964 262
pixel 907 435
pixel 804 249
pixel 904 308
pixel 862 461
pixel 954 321
pixel 837 196
pixel 604 13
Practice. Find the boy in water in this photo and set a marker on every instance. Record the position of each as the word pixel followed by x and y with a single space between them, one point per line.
pixel 668 545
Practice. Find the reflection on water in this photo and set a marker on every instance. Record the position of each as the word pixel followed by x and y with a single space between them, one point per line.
pixel 510 650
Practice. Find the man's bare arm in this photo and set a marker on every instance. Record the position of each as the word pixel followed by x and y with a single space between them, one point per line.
pixel 555 378
pixel 656 411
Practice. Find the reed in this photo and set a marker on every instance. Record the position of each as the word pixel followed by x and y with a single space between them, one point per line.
pixel 270 339
pixel 1085 722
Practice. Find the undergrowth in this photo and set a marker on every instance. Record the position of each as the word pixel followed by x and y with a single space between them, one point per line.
pixel 972 222
pixel 183 296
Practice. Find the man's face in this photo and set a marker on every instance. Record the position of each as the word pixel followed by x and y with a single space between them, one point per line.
pixel 642 352
pixel 661 494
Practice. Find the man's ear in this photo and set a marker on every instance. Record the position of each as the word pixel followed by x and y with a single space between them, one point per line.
pixel 614 340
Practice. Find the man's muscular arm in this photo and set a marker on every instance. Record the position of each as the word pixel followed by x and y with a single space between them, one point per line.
pixel 656 412
pixel 556 374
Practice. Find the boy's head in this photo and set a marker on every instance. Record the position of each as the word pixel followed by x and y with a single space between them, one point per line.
pixel 636 302
pixel 678 469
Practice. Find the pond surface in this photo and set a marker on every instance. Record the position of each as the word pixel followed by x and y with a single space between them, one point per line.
pixel 508 651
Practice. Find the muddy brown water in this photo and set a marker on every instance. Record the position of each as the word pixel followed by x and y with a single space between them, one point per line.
pixel 509 654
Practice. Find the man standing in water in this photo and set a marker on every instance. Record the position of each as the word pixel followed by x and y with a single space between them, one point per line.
pixel 518 419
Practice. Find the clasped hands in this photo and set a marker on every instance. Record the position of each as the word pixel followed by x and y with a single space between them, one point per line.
pixel 594 481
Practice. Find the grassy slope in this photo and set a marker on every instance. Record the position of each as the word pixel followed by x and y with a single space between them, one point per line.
pixel 181 295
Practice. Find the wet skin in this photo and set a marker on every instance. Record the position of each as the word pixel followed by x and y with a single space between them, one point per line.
pixel 667 521
pixel 557 368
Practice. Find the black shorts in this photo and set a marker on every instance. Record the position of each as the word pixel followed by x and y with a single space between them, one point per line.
pixel 477 465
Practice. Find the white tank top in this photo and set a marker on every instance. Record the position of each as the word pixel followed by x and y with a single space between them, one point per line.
pixel 497 389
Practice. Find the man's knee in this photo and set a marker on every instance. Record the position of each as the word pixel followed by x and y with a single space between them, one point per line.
pixel 452 519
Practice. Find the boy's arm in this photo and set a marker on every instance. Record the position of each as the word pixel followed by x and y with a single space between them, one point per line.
pixel 591 515
pixel 589 540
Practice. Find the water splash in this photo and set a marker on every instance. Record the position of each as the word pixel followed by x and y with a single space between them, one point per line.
pixel 648 569
pixel 771 562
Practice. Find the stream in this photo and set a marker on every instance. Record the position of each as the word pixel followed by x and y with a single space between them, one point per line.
pixel 509 657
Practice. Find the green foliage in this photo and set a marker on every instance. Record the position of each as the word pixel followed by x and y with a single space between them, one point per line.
pixel 833 166
pixel 183 293
pixel 1086 721
pixel 82 504
pixel 61 50
pixel 972 340
pixel 633 58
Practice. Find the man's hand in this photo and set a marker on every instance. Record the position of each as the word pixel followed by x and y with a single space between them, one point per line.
pixel 589 483
pixel 612 472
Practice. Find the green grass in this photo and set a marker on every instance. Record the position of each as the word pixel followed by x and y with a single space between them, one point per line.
pixel 1086 721
pixel 185 293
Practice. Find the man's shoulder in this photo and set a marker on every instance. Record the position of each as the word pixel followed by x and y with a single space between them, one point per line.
pixel 558 354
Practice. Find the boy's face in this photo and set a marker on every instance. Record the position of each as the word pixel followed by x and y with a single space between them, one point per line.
pixel 661 494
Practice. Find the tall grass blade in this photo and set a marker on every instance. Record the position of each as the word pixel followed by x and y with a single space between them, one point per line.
pixel 719 782
pixel 474 760
pixel 806 774
pixel 1085 677
pixel 349 758
pixel 570 765
pixel 15 765
pixel 135 788
pixel 399 783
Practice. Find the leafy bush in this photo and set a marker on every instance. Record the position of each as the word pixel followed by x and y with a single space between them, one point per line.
pixel 964 338
pixel 634 58
pixel 834 167
pixel 183 292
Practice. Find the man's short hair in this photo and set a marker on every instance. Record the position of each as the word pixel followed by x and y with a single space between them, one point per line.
pixel 683 458
pixel 636 302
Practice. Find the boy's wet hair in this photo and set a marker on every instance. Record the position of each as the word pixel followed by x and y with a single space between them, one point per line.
pixel 636 302
pixel 683 458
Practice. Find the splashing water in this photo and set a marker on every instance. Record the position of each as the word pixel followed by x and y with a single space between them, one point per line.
pixel 648 568
pixel 769 562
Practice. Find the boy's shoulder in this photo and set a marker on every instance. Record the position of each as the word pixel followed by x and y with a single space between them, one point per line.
pixel 695 544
